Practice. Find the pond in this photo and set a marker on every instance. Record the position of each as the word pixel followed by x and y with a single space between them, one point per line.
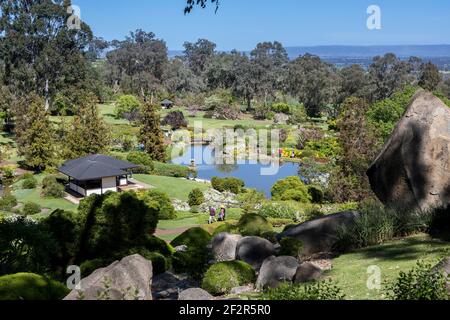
pixel 250 173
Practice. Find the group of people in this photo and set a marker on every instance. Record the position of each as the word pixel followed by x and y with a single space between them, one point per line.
pixel 213 214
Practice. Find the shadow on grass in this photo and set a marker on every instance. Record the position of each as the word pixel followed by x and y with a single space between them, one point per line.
pixel 407 249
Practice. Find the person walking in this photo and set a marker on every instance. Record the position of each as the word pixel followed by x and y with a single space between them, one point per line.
pixel 222 214
pixel 212 215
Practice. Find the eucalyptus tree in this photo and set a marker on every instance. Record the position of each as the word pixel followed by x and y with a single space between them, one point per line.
pixel 137 64
pixel 40 53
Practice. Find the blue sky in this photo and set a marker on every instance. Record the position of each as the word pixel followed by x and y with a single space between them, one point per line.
pixel 241 24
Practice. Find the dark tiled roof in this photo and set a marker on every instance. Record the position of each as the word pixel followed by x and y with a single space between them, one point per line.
pixel 96 167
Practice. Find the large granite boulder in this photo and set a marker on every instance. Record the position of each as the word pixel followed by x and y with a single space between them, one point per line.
pixel 412 170
pixel 307 272
pixel 276 270
pixel 166 286
pixel 195 294
pixel 254 251
pixel 128 279
pixel 224 246
pixel 320 235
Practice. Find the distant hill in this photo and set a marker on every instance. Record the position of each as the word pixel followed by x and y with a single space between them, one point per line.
pixel 424 51
pixel 346 55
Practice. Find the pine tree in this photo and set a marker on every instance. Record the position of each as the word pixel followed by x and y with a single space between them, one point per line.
pixel 36 135
pixel 151 134
pixel 88 133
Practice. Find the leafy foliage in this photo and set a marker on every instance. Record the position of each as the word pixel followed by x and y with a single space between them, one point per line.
pixel 222 277
pixel 291 188
pixel 253 225
pixel 128 107
pixel 160 202
pixel 420 283
pixel 31 287
pixel 325 290
pixel 194 237
pixel 175 119
pixel 25 246
pixel 151 135
pixel 31 208
pixel 88 133
pixel 113 222
pixel 196 197
pixel 230 184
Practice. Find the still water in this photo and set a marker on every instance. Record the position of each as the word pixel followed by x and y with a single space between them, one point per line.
pixel 250 173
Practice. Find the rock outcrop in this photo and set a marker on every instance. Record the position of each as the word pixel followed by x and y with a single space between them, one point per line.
pixel 224 246
pixel 195 294
pixel 276 270
pixel 254 250
pixel 307 272
pixel 320 235
pixel 128 279
pixel 413 169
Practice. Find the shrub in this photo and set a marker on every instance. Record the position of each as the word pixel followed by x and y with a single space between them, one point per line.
pixel 89 266
pixel 281 108
pixel 27 175
pixel 295 195
pixel 160 263
pixel 230 184
pixel 325 290
pixel 30 183
pixel 51 188
pixel 29 286
pixel 33 253
pixel 291 188
pixel 291 247
pixel 155 244
pixel 196 197
pixel 31 208
pixel 376 225
pixel 114 221
pixel 161 202
pixel 317 194
pixel 140 158
pixel 194 261
pixel 253 225
pixel 175 119
pixel 220 227
pixel 280 210
pixel 420 283
pixel 251 200
pixel 127 106
pixel 194 237
pixel 8 202
pixel 222 277
pixel 171 170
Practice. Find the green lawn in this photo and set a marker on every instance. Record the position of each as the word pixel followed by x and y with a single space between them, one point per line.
pixel 174 187
pixel 34 195
pixel 350 270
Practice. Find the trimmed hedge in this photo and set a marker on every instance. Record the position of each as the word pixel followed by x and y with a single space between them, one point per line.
pixel 253 225
pixel 196 198
pixel 194 237
pixel 29 286
pixel 230 184
pixel 222 277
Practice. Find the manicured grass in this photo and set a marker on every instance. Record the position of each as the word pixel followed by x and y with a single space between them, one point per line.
pixel 174 187
pixel 350 270
pixel 108 113
pixel 179 223
pixel 34 195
